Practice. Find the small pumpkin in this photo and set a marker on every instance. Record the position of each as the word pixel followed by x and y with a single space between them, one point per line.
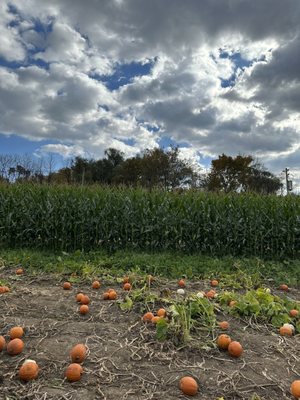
pixel 147 317
pixel 2 343
pixel 15 347
pixel 223 341
pixel 294 313
pixel 155 319
pixel 127 286
pixel 235 349
pixel 224 325
pixel 84 309
pixel 28 371
pixel 16 332
pixel 161 312
pixel 126 279
pixel 79 297
pixel 73 372
pixel 211 294
pixel 19 271
pixel 96 285
pixel 214 283
pixel 85 299
pixel 67 285
pixel 188 386
pixel 181 283
pixel 105 296
pixel 295 389
pixel 112 295
pixel 284 287
pixel 78 353
pixel 286 330
pixel 232 303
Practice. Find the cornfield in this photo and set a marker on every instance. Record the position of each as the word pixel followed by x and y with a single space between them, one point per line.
pixel 90 218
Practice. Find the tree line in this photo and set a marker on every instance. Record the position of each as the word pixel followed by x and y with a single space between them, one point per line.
pixel 154 168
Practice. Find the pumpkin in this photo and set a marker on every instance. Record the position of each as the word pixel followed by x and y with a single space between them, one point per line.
pixel 224 325
pixel 67 286
pixel 161 312
pixel 73 372
pixel 235 349
pixel 15 347
pixel 106 296
pixel 28 371
pixel 148 317
pixel 223 341
pixel 284 287
pixel 181 292
pixel 295 389
pixel 155 319
pixel 112 295
pixel 211 294
pixel 127 286
pixel 188 385
pixel 79 297
pixel 16 332
pixel 2 343
pixel 84 309
pixel 232 303
pixel 19 271
pixel 96 285
pixel 294 313
pixel 85 299
pixel 286 330
pixel 126 279
pixel 78 353
pixel 181 283
pixel 4 289
pixel 214 283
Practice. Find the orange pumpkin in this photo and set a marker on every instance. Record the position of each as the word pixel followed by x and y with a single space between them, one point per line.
pixel 210 294
pixel 224 325
pixel 96 285
pixel 284 287
pixel 28 371
pixel 295 389
pixel 148 317
pixel 214 283
pixel 181 283
pixel 2 343
pixel 85 299
pixel 84 309
pixel 188 386
pixel 286 331
pixel 4 289
pixel 155 319
pixel 294 313
pixel 127 286
pixel 78 353
pixel 161 312
pixel 19 271
pixel 106 296
pixel 15 347
pixel 16 332
pixel 112 295
pixel 223 341
pixel 73 372
pixel 79 297
pixel 67 286
pixel 235 349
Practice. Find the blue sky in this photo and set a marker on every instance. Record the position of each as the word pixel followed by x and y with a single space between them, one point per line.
pixel 212 79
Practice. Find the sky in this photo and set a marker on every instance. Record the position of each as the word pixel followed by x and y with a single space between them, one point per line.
pixel 211 76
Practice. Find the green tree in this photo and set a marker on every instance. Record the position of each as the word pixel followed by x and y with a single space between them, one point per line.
pixel 240 174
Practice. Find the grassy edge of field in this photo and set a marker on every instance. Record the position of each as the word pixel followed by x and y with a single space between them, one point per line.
pixel 165 264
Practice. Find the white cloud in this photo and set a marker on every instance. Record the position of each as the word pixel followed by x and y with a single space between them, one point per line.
pixel 182 97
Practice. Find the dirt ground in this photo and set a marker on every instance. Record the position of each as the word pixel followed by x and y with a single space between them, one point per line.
pixel 124 359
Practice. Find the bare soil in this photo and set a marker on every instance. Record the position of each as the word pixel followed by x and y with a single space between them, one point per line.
pixel 124 360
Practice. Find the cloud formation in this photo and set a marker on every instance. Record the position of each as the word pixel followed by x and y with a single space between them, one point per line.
pixel 224 76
